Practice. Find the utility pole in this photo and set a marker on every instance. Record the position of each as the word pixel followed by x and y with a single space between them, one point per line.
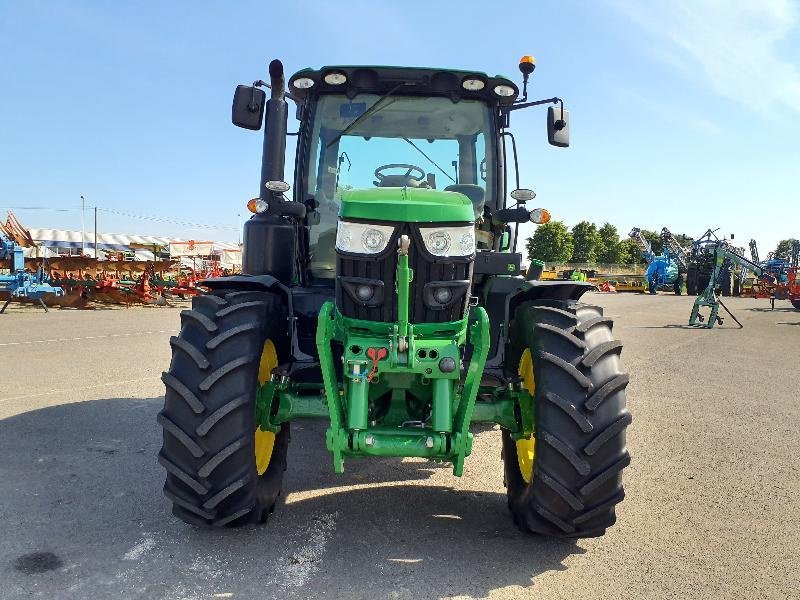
pixel 96 256
pixel 83 224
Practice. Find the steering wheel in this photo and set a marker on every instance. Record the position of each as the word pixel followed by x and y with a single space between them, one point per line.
pixel 386 180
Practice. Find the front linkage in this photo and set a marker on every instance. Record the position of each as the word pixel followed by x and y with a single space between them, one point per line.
pixel 418 366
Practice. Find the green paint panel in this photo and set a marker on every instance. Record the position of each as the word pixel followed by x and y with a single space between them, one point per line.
pixel 409 205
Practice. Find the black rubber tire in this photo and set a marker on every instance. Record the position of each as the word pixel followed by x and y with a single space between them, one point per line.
pixel 581 419
pixel 208 419
pixel 726 283
pixel 702 282
pixel 691 281
pixel 677 286
pixel 795 303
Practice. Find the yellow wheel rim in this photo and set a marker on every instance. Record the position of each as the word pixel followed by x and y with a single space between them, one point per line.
pixel 265 440
pixel 526 449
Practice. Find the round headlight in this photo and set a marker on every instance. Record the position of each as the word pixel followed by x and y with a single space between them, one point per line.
pixel 504 91
pixel 473 85
pixel 466 243
pixel 373 240
pixel 438 242
pixel 335 78
pixel 303 83
pixel 364 292
pixel 344 238
pixel 442 295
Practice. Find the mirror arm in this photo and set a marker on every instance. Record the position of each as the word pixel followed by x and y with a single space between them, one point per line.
pixel 261 83
pixel 537 103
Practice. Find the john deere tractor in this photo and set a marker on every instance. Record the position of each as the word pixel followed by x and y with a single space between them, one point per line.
pixel 386 297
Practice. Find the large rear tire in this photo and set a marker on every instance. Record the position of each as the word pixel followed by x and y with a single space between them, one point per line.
pixel 567 480
pixel 677 287
pixel 222 470
pixel 691 281
pixel 796 303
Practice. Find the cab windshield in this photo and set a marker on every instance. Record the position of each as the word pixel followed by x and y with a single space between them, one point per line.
pixel 392 141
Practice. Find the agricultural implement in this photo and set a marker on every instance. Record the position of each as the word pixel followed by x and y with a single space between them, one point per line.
pixel 783 272
pixel 665 269
pixel 701 265
pixel 19 283
pixel 793 276
pixel 387 299
pixel 725 260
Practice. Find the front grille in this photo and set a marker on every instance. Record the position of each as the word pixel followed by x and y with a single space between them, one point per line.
pixel 382 267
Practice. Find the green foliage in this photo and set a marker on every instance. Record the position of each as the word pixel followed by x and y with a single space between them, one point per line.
pixel 629 253
pixel 551 243
pixel 554 243
pixel 784 249
pixel 585 242
pixel 609 251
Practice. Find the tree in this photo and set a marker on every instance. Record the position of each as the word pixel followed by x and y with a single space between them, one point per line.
pixel 784 249
pixel 550 243
pixel 586 242
pixel 609 249
pixel 629 252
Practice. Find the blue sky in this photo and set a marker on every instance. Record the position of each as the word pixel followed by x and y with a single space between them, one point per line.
pixel 683 113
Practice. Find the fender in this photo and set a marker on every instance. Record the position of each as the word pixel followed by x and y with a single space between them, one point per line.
pixel 502 295
pixel 264 283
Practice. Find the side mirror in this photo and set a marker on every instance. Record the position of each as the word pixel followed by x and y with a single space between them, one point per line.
pixel 558 126
pixel 248 107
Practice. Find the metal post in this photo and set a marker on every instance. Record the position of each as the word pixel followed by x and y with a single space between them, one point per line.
pixel 83 223
pixel 96 257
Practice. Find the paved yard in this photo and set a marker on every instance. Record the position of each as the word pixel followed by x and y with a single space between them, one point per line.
pixel 712 505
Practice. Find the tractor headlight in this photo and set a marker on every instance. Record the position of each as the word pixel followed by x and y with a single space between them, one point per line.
pixel 449 241
pixel 362 238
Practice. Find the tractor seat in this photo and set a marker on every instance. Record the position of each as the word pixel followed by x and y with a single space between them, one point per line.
pixel 474 192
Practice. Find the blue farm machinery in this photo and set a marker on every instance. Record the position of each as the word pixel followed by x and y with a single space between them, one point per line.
pixel 19 283
pixel 664 270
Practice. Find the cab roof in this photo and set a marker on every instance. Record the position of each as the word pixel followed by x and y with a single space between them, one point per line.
pixel 423 81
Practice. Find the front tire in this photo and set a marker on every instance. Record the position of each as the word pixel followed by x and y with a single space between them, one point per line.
pixel 576 458
pixel 221 470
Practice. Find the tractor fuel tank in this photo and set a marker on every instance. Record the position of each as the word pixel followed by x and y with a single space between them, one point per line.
pixel 269 247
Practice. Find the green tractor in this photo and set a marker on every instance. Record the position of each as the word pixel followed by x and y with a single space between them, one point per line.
pixel 386 296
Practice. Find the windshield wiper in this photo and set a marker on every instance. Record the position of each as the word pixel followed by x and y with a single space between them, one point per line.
pixel 379 105
pixel 433 162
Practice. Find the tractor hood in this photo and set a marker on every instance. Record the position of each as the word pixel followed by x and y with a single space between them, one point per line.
pixel 409 205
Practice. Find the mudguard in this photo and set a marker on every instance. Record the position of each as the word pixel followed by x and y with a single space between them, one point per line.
pixel 502 296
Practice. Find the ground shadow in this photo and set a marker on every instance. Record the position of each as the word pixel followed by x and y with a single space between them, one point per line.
pixel 81 487
pixel 767 309
pixel 724 326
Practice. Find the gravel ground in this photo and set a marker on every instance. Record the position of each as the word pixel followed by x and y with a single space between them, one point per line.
pixel 712 494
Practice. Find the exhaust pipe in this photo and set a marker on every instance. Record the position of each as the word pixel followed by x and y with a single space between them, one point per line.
pixel 273 157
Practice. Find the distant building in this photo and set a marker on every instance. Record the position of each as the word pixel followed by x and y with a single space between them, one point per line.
pixel 61 242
